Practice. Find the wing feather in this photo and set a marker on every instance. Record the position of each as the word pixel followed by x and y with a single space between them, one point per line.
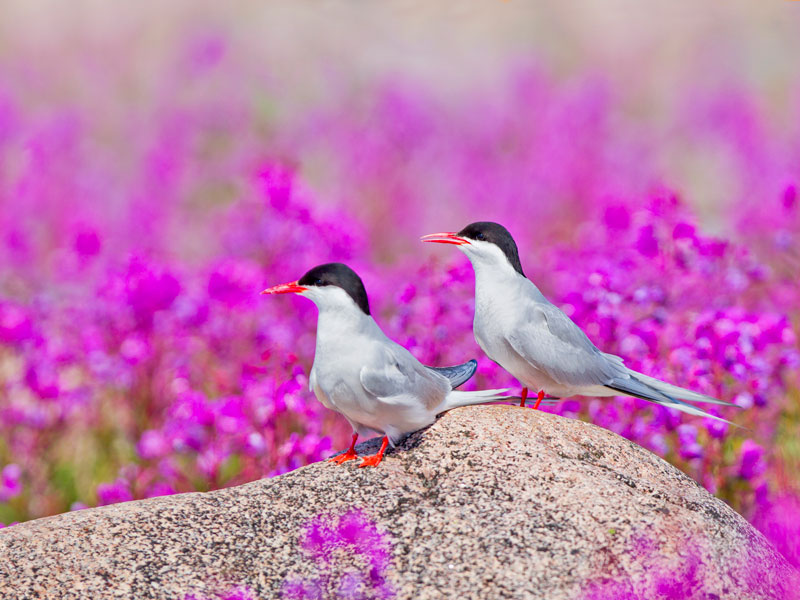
pixel 551 342
pixel 396 377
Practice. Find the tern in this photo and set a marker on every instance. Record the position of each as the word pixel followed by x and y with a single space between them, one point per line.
pixel 375 383
pixel 531 338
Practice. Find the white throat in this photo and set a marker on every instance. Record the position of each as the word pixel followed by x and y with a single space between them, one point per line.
pixel 340 318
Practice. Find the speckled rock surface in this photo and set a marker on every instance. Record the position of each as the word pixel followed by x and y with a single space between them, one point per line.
pixel 489 502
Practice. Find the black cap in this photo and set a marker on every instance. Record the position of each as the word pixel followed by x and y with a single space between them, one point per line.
pixel 341 276
pixel 486 231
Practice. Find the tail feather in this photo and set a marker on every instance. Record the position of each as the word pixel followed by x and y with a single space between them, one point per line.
pixel 693 410
pixel 678 392
pixel 457 374
pixel 632 386
pixel 456 399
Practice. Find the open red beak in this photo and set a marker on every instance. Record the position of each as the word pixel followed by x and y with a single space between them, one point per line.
pixel 285 288
pixel 445 238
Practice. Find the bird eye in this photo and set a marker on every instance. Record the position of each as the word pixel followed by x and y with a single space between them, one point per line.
pixel 318 282
pixel 480 236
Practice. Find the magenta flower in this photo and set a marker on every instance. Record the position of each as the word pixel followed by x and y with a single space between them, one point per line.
pixel 134 243
pixel 336 545
pixel 87 241
pixel 751 460
pixel 152 444
pixel 10 482
pixel 15 325
pixel 778 519
pixel 149 289
pixel 233 282
pixel 689 580
pixel 111 493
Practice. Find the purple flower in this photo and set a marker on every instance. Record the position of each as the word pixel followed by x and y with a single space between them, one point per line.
pixel 277 181
pixel 111 493
pixel 778 518
pixel 617 217
pixel 789 199
pixel 10 482
pixel 689 447
pixel 646 243
pixel 149 289
pixel 751 460
pixel 134 244
pixel 206 51
pixel 716 429
pixel 42 378
pixel 15 325
pixel 87 242
pixel 152 444
pixel 235 282
pixel 326 539
pixel 683 230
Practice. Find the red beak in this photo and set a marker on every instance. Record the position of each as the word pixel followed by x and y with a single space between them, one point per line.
pixel 285 288
pixel 445 238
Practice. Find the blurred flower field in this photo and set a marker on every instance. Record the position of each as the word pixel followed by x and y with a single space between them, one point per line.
pixel 137 358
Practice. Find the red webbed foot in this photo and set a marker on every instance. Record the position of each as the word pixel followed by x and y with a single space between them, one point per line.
pixel 372 461
pixel 343 458
pixel 375 459
pixel 349 455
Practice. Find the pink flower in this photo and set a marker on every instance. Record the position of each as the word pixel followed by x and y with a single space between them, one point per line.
pixel 751 460
pixel 150 289
pixel 152 445
pixel 10 482
pixel 87 242
pixel 15 325
pixel 111 493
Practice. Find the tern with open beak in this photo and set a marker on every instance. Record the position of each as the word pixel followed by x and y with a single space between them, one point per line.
pixel 359 372
pixel 531 338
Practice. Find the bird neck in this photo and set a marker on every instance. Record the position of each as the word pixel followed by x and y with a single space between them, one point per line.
pixel 493 281
pixel 338 325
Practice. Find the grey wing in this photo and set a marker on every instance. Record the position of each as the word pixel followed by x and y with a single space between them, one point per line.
pixel 550 341
pixel 395 376
pixel 553 343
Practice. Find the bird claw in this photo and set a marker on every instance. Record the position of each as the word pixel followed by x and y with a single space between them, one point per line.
pixel 371 461
pixel 343 458
pixel 375 459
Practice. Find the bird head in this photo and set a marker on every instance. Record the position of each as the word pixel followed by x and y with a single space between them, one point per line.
pixel 332 285
pixel 486 244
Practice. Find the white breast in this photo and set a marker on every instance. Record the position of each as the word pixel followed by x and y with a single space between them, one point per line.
pixel 500 296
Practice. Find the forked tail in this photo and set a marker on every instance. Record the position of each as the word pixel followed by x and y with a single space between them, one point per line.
pixel 456 398
pixel 666 394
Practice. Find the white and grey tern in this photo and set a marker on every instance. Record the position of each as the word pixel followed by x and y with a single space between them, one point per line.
pixel 531 338
pixel 375 383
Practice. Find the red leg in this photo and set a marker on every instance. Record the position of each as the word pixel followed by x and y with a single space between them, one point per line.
pixel 538 399
pixel 349 455
pixel 524 396
pixel 375 459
